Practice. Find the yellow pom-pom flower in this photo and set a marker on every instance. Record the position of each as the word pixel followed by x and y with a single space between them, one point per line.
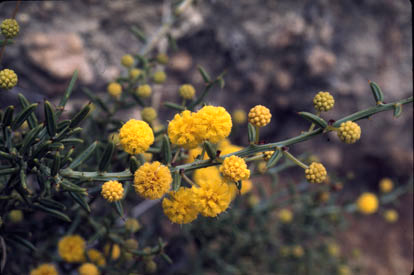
pixel 8 79
pixel 349 132
pixel 193 154
pixel 259 116
pixel 44 269
pixel 113 249
pixel 333 249
pixel 210 173
pixel 152 180
pixel 144 90
pixel 386 185
pixel 212 197
pixel 132 225
pixel 148 114
pixel 261 167
pixel 187 91
pixel 316 173
pixel 298 251
pixel 226 147
pixel 9 28
pixel 285 216
pixel 127 60
pixel 344 270
pixel 136 136
pixel 96 257
pixel 391 216
pixel 114 89
pixel 323 101
pixel 367 203
pixel 234 168
pixel 88 269
pixel 159 77
pixel 253 200
pixel 16 216
pixel 213 123
pixel 182 132
pixel 150 267
pixel 239 116
pixel 247 186
pixel 267 155
pixel 134 73
pixel 71 248
pixel 162 58
pixel 112 191
pixel 179 206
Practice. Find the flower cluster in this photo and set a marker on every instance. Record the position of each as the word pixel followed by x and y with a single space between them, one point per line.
pixel 316 173
pixel 235 169
pixel 367 203
pixel 187 91
pixel 114 89
pixel 152 180
pixel 88 269
pixel 44 269
pixel 72 248
pixel 8 79
pixel 9 28
pixel 179 206
pixel 136 136
pixel 259 116
pixel 112 191
pixel 323 101
pixel 349 132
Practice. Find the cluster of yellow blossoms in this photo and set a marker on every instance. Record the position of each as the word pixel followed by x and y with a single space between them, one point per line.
pixel 136 136
pixel 9 28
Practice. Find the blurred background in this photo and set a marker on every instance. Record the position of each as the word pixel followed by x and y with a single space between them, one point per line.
pixel 275 53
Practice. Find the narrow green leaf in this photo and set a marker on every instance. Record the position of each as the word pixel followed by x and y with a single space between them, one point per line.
pixel 251 133
pixel 55 165
pixel 314 119
pixel 119 209
pixel 30 137
pixel 167 258
pixel 166 150
pixel 52 212
pixel 62 125
pixel 397 110
pixel 8 171
pixel 80 116
pixel 376 92
pixel 134 164
pixel 6 156
pixel 81 201
pixel 67 93
pixel 138 34
pixel 176 181
pixel 274 159
pixel 49 203
pixel 174 106
pixel 71 141
pixel 32 119
pixel 69 186
pixel 23 242
pixel 211 151
pixel 23 115
pixel 204 74
pixel 67 157
pixel 96 100
pixel 41 149
pixel 83 156
pixel 8 115
pixel 50 119
pixel 23 181
pixel 107 156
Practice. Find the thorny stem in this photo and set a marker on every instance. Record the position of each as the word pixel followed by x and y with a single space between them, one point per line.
pixel 295 160
pixel 248 151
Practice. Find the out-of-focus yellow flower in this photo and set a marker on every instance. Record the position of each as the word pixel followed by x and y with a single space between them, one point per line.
pixel 132 225
pixel 88 269
pixel 127 60
pixel 162 58
pixel 134 73
pixel 391 215
pixel 96 257
pixel 44 269
pixel 298 251
pixel 239 116
pixel 285 216
pixel 367 203
pixel 333 249
pixel 212 197
pixel 261 167
pixel 144 90
pixel 115 251
pixel 386 185
pixel 187 91
pixel 159 77
pixel 71 248
pixel 114 89
pixel 16 216
pixel 148 114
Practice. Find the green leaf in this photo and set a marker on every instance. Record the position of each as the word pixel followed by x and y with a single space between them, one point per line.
pixel 52 212
pixel 23 115
pixel 32 119
pixel 67 93
pixel 174 106
pixel 107 156
pixel 30 138
pixel 80 116
pixel 166 150
pixel 8 115
pixel 274 158
pixel 55 165
pixel 176 181
pixel 81 201
pixel 50 119
pixel 211 151
pixel 134 164
pixel 69 186
pixel 204 74
pixel 119 209
pixel 314 119
pixel 83 156
pixel 8 171
pixel 49 203
pixel 251 133
pixel 71 141
pixel 397 110
pixel 138 34
pixel 96 100
pixel 376 92
pixel 23 242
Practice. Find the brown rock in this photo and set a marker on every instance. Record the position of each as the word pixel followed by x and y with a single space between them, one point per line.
pixel 320 61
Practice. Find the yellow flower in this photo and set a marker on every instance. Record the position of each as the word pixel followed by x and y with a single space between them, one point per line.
pixel 88 269
pixel 193 154
pixel 147 156
pixel 136 136
pixel 285 216
pixel 127 60
pixel 267 155
pixel 112 191
pixel 16 216
pixel 386 185
pixel 96 257
pixel 132 225
pixel 259 116
pixel 367 203
pixel 150 266
pixel 182 132
pixel 8 79
pixel 239 116
pixel 253 200
pixel 44 269
pixel 148 114
pixel 178 206
pixel 234 168
pixel 213 123
pixel 226 147
pixel 187 91
pixel 159 77
pixel 162 58
pixel 349 132
pixel 344 270
pixel 114 89
pixel 298 251
pixel 144 90
pixel 10 28
pixel 134 73
pixel 247 186
pixel 323 101
pixel 391 215
pixel 212 197
pixel 115 250
pixel 210 173
pixel 316 173
pixel 261 167
pixel 72 248
pixel 152 180
pixel 333 249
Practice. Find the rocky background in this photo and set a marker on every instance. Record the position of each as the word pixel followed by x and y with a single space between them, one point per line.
pixel 276 53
